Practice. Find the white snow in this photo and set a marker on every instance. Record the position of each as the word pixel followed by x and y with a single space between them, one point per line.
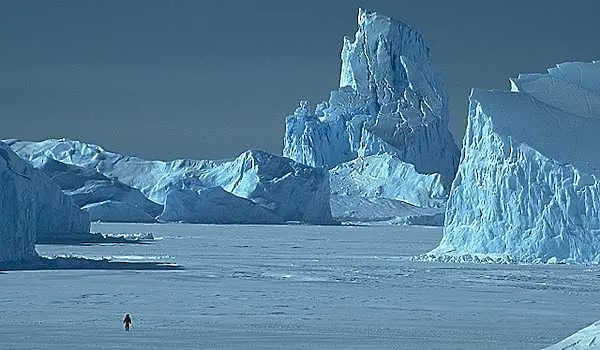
pixel 292 287
pixel 31 205
pixel 389 101
pixel 266 179
pixel 527 187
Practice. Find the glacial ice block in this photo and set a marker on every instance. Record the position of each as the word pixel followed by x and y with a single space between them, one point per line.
pixel 390 101
pixel 382 188
pixel 527 185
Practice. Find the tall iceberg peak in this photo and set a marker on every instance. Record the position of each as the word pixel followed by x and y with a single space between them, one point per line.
pixel 528 184
pixel 385 59
pixel 390 101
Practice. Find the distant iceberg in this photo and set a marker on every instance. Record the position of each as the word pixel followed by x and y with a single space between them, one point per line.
pixel 215 206
pixel 390 101
pixel 104 199
pixel 293 191
pixel 381 188
pixel 527 187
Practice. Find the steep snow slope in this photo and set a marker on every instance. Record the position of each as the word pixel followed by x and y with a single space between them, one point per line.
pixel 389 101
pixel 215 206
pixel 103 198
pixel 268 180
pixel 31 206
pixel 527 186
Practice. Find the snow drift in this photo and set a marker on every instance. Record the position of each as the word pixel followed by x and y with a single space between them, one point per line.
pixel 527 185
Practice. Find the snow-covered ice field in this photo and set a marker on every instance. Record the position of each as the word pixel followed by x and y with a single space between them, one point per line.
pixel 292 287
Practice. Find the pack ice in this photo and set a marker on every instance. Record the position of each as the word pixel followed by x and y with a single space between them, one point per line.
pixel 31 207
pixel 389 102
pixel 527 186
pixel 282 188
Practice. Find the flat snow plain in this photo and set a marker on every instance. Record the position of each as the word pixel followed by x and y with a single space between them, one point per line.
pixel 292 287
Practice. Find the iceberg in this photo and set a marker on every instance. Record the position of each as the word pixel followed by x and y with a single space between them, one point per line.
pixel 267 180
pixel 214 206
pixel 31 206
pixel 389 101
pixel 527 185
pixel 103 198
pixel 382 188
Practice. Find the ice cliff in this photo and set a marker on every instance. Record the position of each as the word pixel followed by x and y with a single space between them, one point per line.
pixel 527 185
pixel 31 205
pixel 293 191
pixel 389 101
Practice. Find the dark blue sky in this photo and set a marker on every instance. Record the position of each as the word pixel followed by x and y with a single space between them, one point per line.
pixel 209 79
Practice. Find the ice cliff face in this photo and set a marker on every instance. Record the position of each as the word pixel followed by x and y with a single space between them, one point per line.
pixel 267 180
pixel 18 208
pixel 527 186
pixel 31 205
pixel 389 101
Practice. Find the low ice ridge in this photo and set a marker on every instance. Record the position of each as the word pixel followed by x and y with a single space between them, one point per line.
pixel 268 181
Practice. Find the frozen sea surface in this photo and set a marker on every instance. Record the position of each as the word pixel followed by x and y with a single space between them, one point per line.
pixel 292 287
